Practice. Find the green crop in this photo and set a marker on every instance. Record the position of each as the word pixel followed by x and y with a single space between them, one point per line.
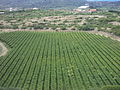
pixel 59 61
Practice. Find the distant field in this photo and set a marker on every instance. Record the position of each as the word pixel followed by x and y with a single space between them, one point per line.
pixel 59 61
pixel 61 20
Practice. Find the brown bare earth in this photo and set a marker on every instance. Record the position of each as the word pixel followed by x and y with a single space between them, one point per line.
pixel 114 37
pixel 69 19
pixel 115 23
pixel 3 50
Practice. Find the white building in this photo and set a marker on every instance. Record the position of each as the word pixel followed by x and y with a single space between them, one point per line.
pixel 35 8
pixel 13 9
pixel 83 7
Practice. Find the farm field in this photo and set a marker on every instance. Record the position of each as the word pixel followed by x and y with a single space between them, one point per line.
pixel 59 61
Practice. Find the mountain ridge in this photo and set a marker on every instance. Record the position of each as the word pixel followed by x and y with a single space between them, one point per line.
pixel 41 3
pixel 46 4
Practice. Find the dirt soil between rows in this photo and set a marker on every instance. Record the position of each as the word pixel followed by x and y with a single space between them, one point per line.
pixel 3 49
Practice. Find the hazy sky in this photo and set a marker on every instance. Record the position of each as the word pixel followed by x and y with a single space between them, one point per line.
pixel 103 0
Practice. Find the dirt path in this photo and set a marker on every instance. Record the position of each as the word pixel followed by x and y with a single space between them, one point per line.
pixel 114 37
pixel 3 49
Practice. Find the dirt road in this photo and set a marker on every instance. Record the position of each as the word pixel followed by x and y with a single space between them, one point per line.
pixel 3 50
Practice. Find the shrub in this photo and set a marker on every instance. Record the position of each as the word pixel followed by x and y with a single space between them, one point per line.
pixel 14 27
pixel 38 27
pixel 116 32
pixel 73 28
pixel 54 28
pixel 23 27
pixel 85 28
pixel 2 27
pixel 63 28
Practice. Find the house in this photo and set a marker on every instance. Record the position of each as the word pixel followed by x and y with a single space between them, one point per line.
pixel 13 9
pixel 93 10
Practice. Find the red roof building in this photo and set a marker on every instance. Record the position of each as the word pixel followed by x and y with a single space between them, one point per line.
pixel 93 10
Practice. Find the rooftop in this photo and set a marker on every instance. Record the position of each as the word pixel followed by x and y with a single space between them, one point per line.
pixel 83 7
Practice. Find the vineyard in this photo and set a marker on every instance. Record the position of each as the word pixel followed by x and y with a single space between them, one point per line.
pixel 59 61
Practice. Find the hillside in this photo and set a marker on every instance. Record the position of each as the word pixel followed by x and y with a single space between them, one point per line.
pixel 108 4
pixel 61 20
pixel 41 3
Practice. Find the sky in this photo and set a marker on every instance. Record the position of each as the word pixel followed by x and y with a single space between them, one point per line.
pixel 103 0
